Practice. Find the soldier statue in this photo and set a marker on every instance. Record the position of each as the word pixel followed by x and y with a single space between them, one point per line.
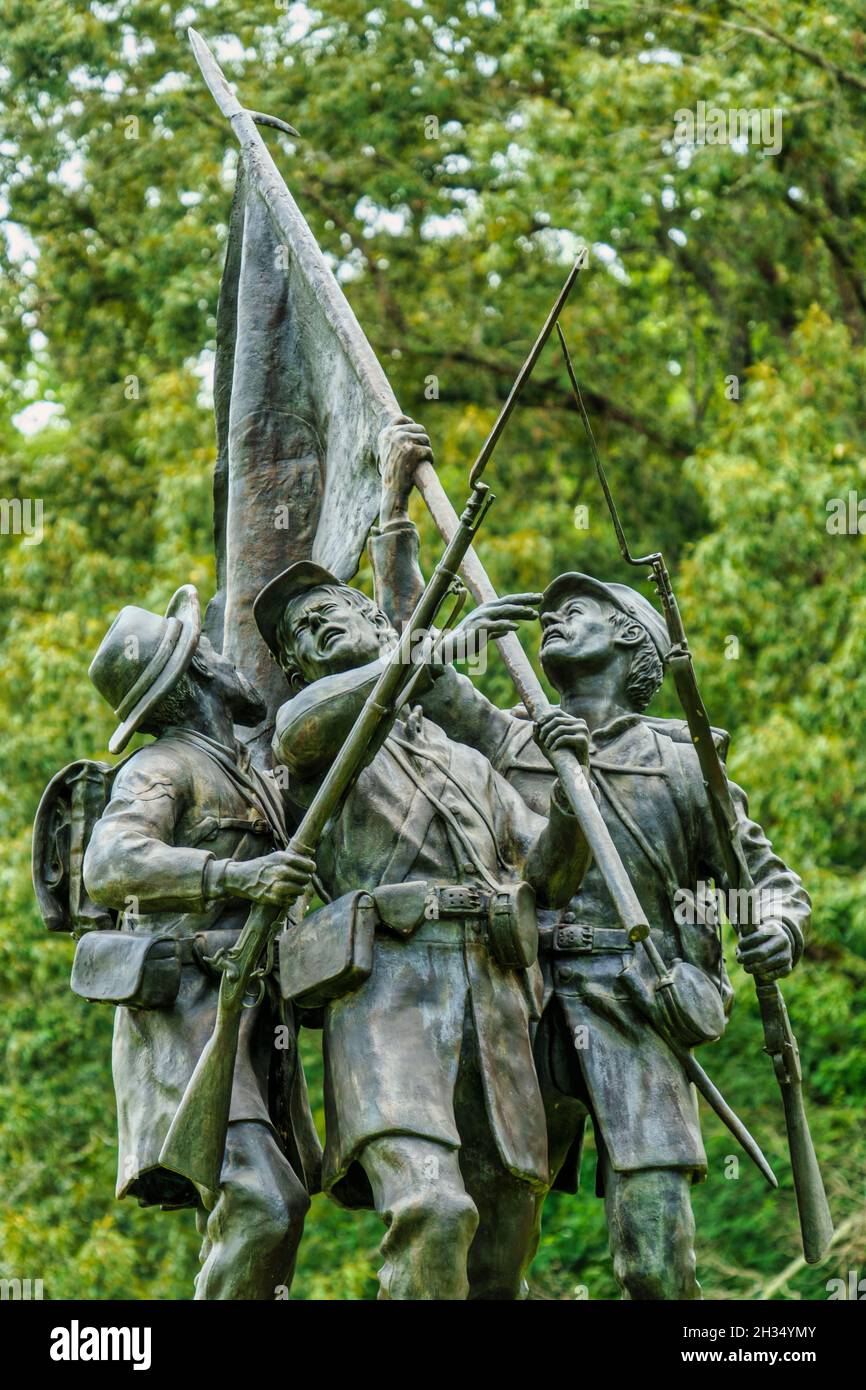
pixel 433 1109
pixel 599 1055
pixel 192 835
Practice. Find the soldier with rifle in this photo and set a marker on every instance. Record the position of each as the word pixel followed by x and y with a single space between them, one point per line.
pixel 192 836
pixel 433 1110
pixel 613 1046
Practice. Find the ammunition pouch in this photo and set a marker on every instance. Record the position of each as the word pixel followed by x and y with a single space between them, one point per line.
pixel 127 969
pixel 513 926
pixel 329 952
pixel 685 1004
pixel 690 1005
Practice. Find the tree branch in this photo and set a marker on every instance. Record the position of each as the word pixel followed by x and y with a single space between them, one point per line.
pixel 852 79
pixel 756 29
pixel 549 395
pixel 840 253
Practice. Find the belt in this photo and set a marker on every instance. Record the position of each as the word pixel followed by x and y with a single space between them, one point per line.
pixel 458 900
pixel 581 939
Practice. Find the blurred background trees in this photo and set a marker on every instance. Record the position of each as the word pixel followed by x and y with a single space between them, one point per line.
pixel 452 158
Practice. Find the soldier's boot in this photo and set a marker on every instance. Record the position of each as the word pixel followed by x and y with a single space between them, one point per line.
pixel 431 1219
pixel 652 1233
pixel 251 1235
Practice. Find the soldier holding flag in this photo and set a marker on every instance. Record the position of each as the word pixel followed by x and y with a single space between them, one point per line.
pixel 433 1110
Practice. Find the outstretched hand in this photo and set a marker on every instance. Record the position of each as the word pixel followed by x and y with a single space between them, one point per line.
pixel 493 619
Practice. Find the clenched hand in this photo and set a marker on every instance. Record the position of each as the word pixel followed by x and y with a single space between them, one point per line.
pixel 402 445
pixel 766 952
pixel 556 730
pixel 278 879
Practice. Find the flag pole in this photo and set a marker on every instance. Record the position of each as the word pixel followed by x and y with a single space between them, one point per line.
pixel 294 230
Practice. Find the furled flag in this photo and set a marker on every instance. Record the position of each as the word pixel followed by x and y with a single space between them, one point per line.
pixel 300 399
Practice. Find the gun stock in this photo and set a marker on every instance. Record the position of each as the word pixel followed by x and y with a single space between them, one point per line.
pixel 816 1223
pixel 196 1139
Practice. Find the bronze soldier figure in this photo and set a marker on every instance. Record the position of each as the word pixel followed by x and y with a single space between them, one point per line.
pixel 433 1110
pixel 191 836
pixel 600 1052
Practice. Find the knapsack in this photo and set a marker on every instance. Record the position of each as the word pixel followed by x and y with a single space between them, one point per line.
pixel 69 808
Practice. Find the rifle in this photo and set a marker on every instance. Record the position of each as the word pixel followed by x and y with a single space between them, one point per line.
pixel 195 1143
pixel 816 1223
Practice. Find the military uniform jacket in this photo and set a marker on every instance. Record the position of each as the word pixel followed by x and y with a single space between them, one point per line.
pixel 177 805
pixel 649 787
pixel 430 809
pixel 648 784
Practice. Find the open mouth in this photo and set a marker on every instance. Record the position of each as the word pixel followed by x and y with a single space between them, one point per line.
pixel 553 634
pixel 328 636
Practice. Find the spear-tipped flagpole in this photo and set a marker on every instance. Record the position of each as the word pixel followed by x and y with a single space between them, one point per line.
pixel 292 227
pixel 222 92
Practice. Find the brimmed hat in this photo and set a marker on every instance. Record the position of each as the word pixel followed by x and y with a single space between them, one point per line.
pixel 627 600
pixel 142 656
pixel 270 602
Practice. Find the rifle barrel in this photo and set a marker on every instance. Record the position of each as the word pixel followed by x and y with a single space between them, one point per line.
pixel 526 370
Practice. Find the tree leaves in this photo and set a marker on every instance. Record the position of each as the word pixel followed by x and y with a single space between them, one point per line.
pixel 450 161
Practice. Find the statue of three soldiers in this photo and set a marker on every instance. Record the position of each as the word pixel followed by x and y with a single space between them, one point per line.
pixel 460 1065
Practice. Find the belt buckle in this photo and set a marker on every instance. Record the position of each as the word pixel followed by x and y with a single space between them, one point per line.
pixel 457 901
pixel 577 939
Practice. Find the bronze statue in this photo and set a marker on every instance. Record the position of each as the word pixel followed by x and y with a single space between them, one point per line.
pixel 191 835
pixel 515 934
pixel 433 1109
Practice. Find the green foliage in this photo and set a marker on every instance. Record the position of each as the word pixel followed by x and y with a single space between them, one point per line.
pixel 452 157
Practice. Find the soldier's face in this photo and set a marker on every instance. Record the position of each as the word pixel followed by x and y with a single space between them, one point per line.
pixel 329 634
pixel 576 637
